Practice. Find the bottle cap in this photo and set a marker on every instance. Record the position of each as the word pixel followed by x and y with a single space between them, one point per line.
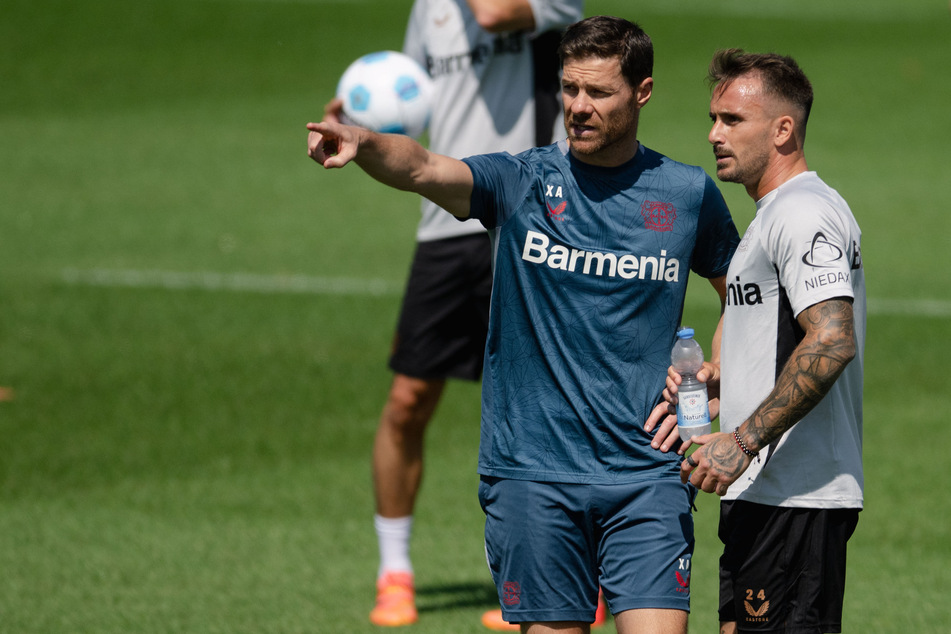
pixel 685 333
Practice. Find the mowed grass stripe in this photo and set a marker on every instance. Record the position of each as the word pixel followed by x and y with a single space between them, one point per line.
pixel 310 285
pixel 238 282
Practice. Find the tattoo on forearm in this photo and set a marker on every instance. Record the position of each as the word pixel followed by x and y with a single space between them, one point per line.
pixel 815 364
pixel 729 463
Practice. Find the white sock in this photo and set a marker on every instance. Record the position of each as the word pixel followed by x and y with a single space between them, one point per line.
pixel 393 536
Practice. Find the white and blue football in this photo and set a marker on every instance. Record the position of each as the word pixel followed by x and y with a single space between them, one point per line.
pixel 387 91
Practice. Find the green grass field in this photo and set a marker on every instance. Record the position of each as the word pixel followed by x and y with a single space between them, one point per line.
pixel 194 317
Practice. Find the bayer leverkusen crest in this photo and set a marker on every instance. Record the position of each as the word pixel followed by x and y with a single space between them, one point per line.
pixel 511 593
pixel 658 216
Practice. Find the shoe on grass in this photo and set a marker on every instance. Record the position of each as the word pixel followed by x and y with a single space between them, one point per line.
pixel 395 600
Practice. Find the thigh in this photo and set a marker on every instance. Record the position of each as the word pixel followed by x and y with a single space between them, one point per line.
pixel 783 569
pixel 648 621
pixel 646 548
pixel 541 550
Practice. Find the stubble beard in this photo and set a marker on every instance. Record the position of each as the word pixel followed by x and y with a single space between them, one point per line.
pixel 746 172
pixel 607 135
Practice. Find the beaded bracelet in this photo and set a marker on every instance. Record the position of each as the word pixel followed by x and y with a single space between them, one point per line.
pixel 742 445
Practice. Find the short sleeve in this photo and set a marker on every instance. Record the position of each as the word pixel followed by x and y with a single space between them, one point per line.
pixel 717 237
pixel 500 181
pixel 556 14
pixel 810 248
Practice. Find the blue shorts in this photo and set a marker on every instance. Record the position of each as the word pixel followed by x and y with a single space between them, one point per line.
pixel 549 546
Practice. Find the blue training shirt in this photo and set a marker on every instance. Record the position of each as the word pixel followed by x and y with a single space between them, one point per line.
pixel 590 272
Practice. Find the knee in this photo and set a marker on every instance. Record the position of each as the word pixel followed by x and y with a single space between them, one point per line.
pixel 410 404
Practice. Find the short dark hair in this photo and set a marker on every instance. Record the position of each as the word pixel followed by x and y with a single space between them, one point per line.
pixel 781 75
pixel 604 37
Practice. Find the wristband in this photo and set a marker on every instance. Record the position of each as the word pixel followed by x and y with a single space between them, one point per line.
pixel 742 445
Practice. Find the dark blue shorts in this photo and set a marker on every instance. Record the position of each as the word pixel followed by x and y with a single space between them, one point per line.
pixel 549 546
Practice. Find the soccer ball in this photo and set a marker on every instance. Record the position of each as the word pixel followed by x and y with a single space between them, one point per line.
pixel 387 91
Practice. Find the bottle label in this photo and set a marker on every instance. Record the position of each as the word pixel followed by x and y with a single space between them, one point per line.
pixel 692 408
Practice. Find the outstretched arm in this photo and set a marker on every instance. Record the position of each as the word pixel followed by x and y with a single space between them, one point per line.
pixel 395 160
pixel 812 369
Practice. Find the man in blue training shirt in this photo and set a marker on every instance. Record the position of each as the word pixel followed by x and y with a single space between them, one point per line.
pixel 593 240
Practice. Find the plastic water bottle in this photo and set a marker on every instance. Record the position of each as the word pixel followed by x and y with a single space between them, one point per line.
pixel 693 413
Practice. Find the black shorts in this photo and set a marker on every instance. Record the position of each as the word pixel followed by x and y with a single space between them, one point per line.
pixel 445 315
pixel 783 569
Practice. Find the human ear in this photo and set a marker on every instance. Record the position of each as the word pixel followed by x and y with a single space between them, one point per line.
pixel 643 93
pixel 784 131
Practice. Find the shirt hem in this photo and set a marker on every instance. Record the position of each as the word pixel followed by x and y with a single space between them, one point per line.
pixel 798 502
pixel 646 475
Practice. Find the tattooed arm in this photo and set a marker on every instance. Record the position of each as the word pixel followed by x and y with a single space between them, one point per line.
pixel 815 364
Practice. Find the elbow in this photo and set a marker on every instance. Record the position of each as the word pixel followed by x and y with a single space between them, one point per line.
pixel 845 341
pixel 844 355
pixel 831 327
pixel 849 351
pixel 499 20
pixel 851 344
pixel 491 20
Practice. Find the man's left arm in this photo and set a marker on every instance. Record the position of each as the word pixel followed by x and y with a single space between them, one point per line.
pixel 497 16
pixel 534 16
pixel 815 364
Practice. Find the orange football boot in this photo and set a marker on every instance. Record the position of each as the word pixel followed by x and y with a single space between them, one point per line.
pixel 395 600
